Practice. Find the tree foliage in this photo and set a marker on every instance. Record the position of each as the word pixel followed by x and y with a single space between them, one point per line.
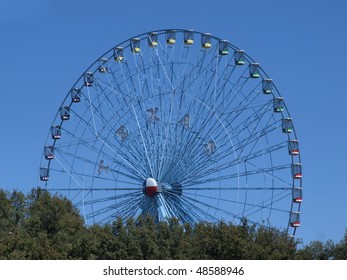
pixel 40 225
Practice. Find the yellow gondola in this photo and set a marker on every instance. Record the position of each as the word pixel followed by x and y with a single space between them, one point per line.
pixel 171 37
pixel 153 39
pixel 206 40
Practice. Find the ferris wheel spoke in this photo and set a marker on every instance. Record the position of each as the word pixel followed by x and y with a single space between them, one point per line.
pixel 266 171
pixel 126 165
pixel 106 142
pixel 96 189
pixel 141 76
pixel 80 178
pixel 252 136
pixel 165 162
pixel 163 64
pixel 188 81
pixel 204 171
pixel 106 98
pixel 197 204
pixel 120 207
pixel 143 143
pixel 165 208
pixel 237 188
pixel 190 143
pixel 192 154
pixel 98 119
pixel 231 214
pixel 240 129
pixel 268 204
pixel 168 78
pixel 118 88
pixel 116 198
pixel 127 78
pixel 241 100
pixel 125 212
pixel 222 89
pixel 194 210
pixel 185 211
pixel 251 206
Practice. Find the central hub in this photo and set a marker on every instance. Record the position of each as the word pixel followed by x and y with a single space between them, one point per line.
pixel 150 187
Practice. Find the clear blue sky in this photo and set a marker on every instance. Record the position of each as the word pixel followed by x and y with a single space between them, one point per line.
pixel 46 45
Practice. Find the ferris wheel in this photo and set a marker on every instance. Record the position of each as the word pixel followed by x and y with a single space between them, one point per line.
pixel 176 123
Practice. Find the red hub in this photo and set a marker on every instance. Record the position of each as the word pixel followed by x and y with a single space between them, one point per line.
pixel 150 187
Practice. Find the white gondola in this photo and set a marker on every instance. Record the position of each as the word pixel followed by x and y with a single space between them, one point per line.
pixel 254 70
pixel 88 79
pixel 56 132
pixel 118 54
pixel 293 147
pixel 239 57
pixel 295 219
pixel 103 65
pixel 223 47
pixel 297 170
pixel 76 95
pixel 49 152
pixel 267 86
pixel 297 195
pixel 287 125
pixel 278 104
pixel 44 174
pixel 65 113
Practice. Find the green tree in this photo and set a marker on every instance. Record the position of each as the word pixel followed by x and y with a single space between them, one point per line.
pixel 272 244
pixel 54 225
pixel 45 226
pixel 12 214
pixel 340 252
pixel 173 240
pixel 317 250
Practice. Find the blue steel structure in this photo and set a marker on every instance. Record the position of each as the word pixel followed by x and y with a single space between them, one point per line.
pixel 176 123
